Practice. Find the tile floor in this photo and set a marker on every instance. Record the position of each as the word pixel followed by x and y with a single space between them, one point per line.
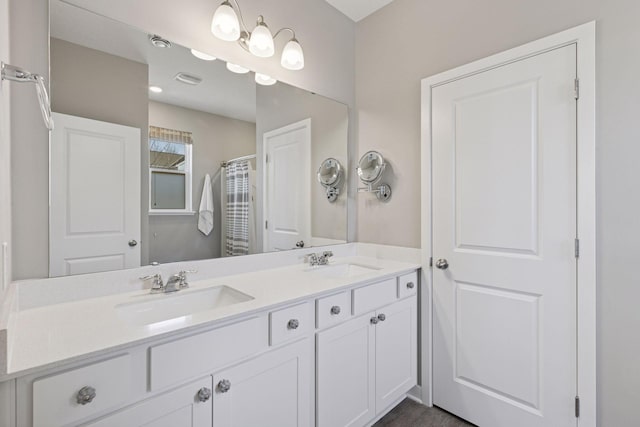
pixel 411 414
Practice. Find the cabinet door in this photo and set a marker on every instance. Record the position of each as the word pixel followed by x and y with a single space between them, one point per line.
pixel 345 373
pixel 184 407
pixel 396 351
pixel 272 390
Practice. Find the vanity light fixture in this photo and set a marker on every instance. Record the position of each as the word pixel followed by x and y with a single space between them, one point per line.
pixel 235 68
pixel 228 24
pixel 202 55
pixel 155 89
pixel 265 80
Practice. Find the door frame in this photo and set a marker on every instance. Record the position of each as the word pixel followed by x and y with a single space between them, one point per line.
pixel 302 124
pixel 584 37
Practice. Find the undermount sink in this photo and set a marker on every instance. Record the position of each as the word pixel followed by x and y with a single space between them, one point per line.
pixel 163 307
pixel 342 270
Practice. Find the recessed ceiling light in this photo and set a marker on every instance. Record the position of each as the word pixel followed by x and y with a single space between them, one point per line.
pixel 155 89
pixel 264 80
pixel 158 41
pixel 202 55
pixel 236 68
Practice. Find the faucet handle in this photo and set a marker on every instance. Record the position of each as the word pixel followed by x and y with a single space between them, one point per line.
pixel 327 254
pixel 157 284
pixel 182 275
pixel 311 258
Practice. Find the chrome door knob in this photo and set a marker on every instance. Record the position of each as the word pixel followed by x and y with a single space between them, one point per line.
pixel 204 394
pixel 293 324
pixel 442 264
pixel 374 320
pixel 86 395
pixel 133 243
pixel 335 309
pixel 382 317
pixel 224 386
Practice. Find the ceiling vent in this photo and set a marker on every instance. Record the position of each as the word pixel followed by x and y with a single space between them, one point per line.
pixel 188 79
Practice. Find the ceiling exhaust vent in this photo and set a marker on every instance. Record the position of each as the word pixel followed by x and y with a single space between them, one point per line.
pixel 188 79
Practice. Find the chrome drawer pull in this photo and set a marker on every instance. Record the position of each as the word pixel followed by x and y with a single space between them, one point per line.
pixel 86 395
pixel 335 310
pixel 293 324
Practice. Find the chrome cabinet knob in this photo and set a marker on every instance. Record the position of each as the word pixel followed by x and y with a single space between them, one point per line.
pixel 204 394
pixel 133 243
pixel 382 317
pixel 224 386
pixel 374 320
pixel 335 310
pixel 86 395
pixel 410 285
pixel 442 264
pixel 293 324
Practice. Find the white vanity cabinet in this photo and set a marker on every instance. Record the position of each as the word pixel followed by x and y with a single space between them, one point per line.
pixel 339 358
pixel 366 364
pixel 272 390
pixel 187 406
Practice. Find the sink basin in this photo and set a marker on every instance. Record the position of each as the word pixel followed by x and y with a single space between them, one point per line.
pixel 163 307
pixel 342 270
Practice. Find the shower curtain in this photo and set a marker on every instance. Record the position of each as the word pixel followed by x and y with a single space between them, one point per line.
pixel 237 210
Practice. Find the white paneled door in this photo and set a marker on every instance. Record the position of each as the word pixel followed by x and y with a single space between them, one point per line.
pixel 504 224
pixel 95 196
pixel 287 186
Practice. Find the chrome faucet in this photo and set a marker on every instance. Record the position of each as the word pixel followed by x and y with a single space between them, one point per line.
pixel 321 258
pixel 175 283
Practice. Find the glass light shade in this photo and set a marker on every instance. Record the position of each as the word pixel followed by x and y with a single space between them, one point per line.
pixel 235 68
pixel 265 80
pixel 224 24
pixel 202 55
pixel 292 56
pixel 261 41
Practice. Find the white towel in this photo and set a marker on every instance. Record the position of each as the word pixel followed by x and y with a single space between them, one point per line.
pixel 205 217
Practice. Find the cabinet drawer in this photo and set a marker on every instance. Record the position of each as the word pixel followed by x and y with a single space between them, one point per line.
pixel 188 357
pixel 289 323
pixel 55 398
pixel 373 296
pixel 407 284
pixel 333 309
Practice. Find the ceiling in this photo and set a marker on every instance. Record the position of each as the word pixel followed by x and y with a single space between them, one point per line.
pixel 221 91
pixel 358 9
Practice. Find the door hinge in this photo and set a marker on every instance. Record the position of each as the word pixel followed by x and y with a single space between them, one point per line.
pixel 577 248
pixel 576 88
pixel 430 261
pixel 577 407
pixel 266 225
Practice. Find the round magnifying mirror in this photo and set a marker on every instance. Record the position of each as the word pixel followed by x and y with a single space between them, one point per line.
pixel 330 172
pixel 370 167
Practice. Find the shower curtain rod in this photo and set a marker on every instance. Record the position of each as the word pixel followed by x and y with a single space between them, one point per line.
pixel 237 159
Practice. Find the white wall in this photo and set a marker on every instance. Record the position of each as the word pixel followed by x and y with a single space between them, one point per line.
pixel 436 36
pixel 29 45
pixel 5 154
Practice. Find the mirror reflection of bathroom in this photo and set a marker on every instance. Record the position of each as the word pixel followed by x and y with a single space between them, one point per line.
pixel 210 172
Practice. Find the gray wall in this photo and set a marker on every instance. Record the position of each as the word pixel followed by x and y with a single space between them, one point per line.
pixel 29 48
pixel 215 138
pixel 437 36
pixel 280 105
pixel 99 86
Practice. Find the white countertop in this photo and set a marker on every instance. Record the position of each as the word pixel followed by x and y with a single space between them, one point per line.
pixel 50 335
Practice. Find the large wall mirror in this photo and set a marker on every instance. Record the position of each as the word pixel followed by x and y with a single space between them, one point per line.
pixel 163 154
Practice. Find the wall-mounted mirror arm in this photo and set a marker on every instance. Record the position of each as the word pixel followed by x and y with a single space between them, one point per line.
pixel 17 74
